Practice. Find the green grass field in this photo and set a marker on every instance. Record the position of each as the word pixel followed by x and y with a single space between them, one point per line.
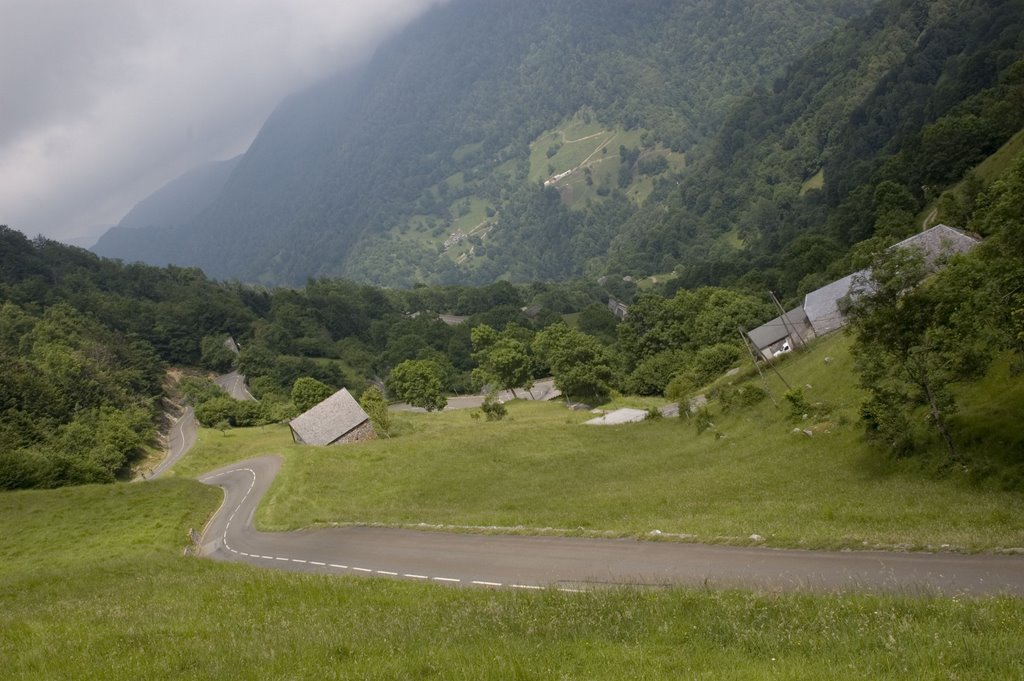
pixel 541 468
pixel 93 585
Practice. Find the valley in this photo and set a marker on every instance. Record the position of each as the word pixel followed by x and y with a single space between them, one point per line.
pixel 784 238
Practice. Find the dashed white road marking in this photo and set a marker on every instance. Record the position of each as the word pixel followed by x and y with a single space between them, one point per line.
pixel 338 566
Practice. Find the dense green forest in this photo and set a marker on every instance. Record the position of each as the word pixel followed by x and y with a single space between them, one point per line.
pixel 792 155
pixel 847 147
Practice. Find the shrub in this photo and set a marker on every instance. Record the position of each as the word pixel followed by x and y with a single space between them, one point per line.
pixel 743 397
pixel 493 408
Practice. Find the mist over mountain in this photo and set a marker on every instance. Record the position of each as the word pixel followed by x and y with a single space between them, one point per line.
pixel 176 203
pixel 371 173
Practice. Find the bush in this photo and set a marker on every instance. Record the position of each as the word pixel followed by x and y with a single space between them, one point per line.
pixel 26 469
pixel 213 411
pixel 653 374
pixel 493 408
pixel 743 397
pixel 197 390
pixel 712 361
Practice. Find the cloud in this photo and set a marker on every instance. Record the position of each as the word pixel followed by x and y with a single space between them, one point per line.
pixel 105 101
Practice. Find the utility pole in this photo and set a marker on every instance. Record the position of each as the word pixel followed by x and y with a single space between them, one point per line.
pixel 792 331
pixel 753 356
pixel 767 359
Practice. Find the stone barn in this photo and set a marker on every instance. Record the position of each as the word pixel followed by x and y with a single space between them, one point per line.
pixel 337 420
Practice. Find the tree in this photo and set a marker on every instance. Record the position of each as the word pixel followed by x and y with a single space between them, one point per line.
pixel 502 360
pixel 308 392
pixel 580 365
pixel 418 382
pixel 214 353
pixel 376 407
pixel 908 351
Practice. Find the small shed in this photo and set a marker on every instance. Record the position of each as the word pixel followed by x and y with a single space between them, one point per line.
pixel 793 328
pixel 337 420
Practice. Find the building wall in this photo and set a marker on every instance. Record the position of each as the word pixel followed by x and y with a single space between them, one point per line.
pixel 361 433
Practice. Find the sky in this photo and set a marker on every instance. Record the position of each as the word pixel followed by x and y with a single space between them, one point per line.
pixel 103 102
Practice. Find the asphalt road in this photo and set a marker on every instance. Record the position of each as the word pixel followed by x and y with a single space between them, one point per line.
pixel 234 385
pixel 573 563
pixel 180 440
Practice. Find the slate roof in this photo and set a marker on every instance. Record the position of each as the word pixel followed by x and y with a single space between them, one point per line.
pixel 778 329
pixel 822 306
pixel 330 420
pixel 939 242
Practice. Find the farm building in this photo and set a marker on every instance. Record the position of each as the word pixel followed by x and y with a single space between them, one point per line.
pixel 782 334
pixel 337 420
pixel 936 244
pixel 939 244
pixel 822 307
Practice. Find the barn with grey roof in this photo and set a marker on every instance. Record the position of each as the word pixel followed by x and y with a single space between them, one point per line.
pixel 337 420
pixel 938 244
pixel 783 333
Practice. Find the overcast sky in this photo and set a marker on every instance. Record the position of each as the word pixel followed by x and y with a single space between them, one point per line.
pixel 104 101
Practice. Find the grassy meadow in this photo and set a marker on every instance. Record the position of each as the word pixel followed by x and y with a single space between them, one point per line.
pixel 94 585
pixel 753 471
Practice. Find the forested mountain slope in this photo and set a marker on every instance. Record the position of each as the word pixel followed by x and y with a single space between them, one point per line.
pixel 369 174
pixel 848 147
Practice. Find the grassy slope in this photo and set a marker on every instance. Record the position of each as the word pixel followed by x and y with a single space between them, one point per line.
pixel 988 170
pixel 541 468
pixel 93 585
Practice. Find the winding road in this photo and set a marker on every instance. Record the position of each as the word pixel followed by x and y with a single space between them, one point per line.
pixel 573 564
pixel 179 440
pixel 234 385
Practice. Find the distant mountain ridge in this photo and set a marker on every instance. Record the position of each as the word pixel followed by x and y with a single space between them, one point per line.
pixel 177 203
pixel 365 174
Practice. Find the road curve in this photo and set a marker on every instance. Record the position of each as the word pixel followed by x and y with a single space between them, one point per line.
pixel 572 563
pixel 180 440
pixel 234 385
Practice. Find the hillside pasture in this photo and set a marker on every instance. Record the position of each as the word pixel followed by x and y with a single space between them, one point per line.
pixel 754 471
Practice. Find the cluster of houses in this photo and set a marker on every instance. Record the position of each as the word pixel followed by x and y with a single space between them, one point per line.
pixel 821 311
